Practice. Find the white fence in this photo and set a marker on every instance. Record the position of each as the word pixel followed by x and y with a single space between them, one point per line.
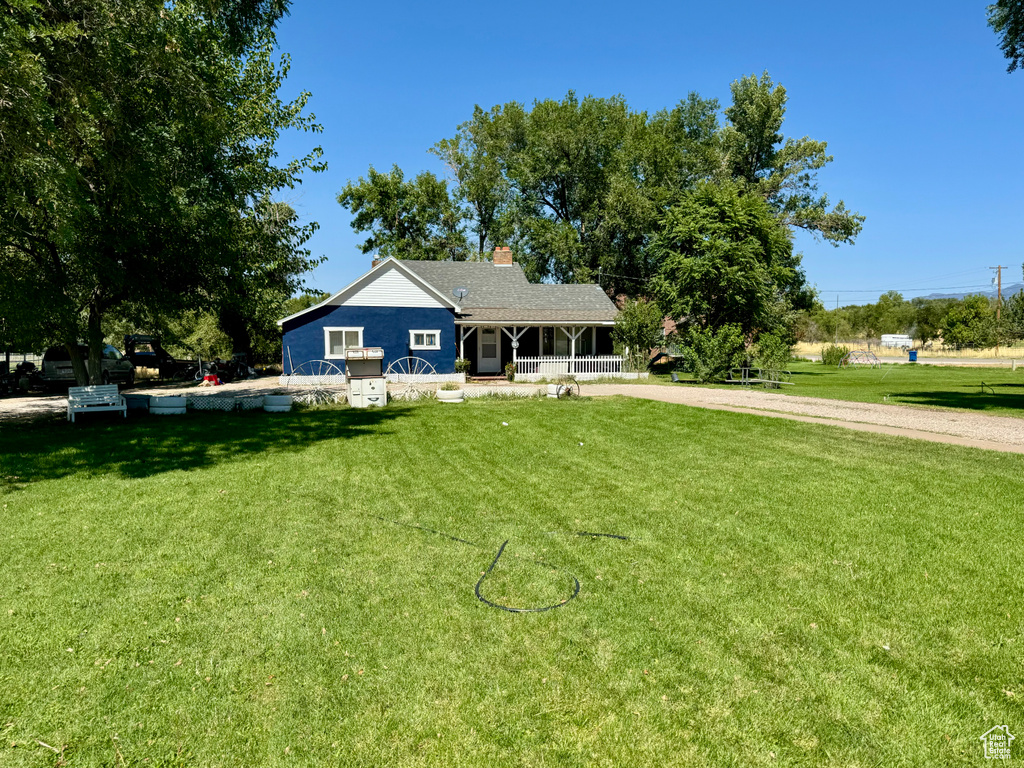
pixel 553 366
pixel 336 380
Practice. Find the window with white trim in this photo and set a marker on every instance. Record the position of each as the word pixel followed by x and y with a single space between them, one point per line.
pixel 337 340
pixel 424 339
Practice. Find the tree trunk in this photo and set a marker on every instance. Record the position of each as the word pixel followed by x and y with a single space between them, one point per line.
pixel 77 363
pixel 95 341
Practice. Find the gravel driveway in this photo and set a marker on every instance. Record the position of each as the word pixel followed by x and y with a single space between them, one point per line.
pixel 1004 433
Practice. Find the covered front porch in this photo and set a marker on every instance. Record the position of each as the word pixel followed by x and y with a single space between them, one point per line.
pixel 539 351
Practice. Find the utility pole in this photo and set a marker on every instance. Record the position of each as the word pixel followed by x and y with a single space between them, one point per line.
pixel 836 343
pixel 999 302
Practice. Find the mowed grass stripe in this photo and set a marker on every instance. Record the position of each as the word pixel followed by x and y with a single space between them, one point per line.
pixel 826 596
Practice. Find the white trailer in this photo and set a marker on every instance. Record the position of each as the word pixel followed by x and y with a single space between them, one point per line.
pixel 897 341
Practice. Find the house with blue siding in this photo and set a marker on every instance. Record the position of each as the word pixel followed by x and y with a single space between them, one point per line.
pixel 486 312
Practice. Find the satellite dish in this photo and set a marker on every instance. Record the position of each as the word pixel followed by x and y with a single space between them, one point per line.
pixel 460 293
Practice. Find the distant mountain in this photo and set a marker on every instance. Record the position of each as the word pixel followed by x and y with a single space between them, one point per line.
pixel 1008 290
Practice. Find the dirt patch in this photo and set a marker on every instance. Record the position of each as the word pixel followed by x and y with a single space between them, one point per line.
pixel 33 407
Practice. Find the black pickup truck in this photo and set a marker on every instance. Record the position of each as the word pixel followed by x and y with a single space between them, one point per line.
pixel 146 352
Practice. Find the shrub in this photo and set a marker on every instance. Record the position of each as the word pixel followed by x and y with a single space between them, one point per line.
pixel 451 386
pixel 773 353
pixel 462 365
pixel 833 354
pixel 510 371
pixel 709 354
pixel 638 328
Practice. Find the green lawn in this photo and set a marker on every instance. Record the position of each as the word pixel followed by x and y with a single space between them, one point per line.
pixel 931 386
pixel 217 590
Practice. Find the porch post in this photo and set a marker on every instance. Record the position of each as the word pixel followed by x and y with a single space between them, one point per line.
pixel 514 335
pixel 572 351
pixel 463 334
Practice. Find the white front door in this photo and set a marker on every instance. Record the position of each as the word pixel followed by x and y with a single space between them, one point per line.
pixel 488 350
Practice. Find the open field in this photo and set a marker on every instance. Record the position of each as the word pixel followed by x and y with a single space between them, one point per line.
pixel 218 590
pixel 936 351
pixel 928 386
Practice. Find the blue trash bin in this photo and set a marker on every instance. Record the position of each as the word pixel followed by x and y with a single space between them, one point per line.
pixel 913 355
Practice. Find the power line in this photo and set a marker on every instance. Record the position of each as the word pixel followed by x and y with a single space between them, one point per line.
pixel 918 288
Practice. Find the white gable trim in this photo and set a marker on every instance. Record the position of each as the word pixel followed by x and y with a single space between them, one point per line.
pixel 390 288
pixel 386 266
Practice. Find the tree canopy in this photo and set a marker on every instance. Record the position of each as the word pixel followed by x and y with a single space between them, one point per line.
pixel 581 188
pixel 414 219
pixel 137 160
pixel 1006 17
pixel 727 260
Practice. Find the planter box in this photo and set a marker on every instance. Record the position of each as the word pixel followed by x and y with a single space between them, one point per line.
pixel 137 402
pixel 451 395
pixel 167 406
pixel 277 403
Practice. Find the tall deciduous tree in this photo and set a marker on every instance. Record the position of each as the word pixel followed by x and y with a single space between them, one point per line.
pixel 574 186
pixel 726 260
pixel 782 170
pixel 251 295
pixel 579 188
pixel 414 219
pixel 479 181
pixel 147 138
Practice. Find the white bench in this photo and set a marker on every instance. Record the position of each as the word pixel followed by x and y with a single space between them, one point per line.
pixel 103 397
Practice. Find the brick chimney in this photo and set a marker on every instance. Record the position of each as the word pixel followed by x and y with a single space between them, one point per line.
pixel 502 257
pixel 376 260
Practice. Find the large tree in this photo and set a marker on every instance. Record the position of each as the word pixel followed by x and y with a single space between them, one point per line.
pixel 414 219
pixel 970 323
pixel 574 186
pixel 251 295
pixel 1006 17
pixel 480 184
pixel 145 141
pixel 726 260
pixel 781 170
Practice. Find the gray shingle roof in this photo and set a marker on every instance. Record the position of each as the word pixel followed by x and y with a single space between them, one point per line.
pixel 503 294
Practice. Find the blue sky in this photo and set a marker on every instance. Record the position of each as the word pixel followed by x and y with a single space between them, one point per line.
pixel 913 98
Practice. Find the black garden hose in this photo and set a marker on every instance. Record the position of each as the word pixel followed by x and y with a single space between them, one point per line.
pixel 482 599
pixel 501 549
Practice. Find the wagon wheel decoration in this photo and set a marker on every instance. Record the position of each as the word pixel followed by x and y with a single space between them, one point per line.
pixel 407 376
pixel 317 368
pixel 568 387
pixel 322 388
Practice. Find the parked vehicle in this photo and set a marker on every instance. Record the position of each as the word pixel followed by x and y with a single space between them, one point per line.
pixel 146 352
pixel 115 367
pixel 18 381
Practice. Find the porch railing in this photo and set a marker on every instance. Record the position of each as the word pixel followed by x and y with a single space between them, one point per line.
pixel 564 365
